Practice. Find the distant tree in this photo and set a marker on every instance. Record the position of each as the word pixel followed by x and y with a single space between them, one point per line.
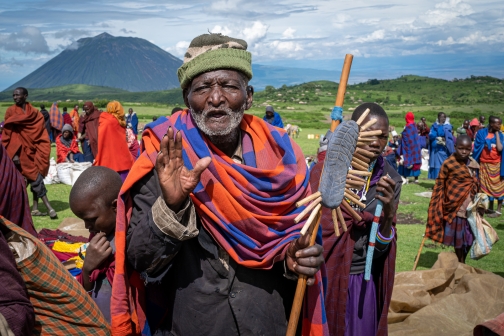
pixel 373 81
pixel 269 89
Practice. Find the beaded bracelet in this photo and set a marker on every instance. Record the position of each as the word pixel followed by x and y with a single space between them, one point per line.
pixel 383 240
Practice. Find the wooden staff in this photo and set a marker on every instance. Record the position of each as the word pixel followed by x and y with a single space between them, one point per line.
pixel 301 285
pixel 419 252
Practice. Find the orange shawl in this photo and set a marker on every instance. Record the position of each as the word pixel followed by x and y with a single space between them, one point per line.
pixel 25 134
pixel 75 120
pixel 113 151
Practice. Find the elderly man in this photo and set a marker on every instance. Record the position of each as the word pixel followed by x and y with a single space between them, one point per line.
pixel 206 216
pixel 88 128
pixel 273 118
pixel 27 143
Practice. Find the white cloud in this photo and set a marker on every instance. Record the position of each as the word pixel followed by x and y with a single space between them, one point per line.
pixel 28 40
pixel 221 30
pixel 374 36
pixel 288 33
pixel 255 33
pixel 446 12
pixel 224 5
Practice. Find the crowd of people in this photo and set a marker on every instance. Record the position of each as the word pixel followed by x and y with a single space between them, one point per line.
pixel 195 233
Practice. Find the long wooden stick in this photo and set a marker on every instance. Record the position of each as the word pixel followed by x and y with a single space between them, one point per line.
pixel 310 219
pixel 419 252
pixel 301 285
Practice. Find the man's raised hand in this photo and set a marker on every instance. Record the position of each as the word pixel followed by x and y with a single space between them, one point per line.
pixel 176 181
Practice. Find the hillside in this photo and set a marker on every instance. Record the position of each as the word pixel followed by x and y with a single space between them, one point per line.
pixel 128 63
pixel 81 92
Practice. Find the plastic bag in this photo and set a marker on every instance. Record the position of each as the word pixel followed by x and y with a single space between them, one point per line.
pixel 52 174
pixel 78 168
pixel 484 234
pixel 65 173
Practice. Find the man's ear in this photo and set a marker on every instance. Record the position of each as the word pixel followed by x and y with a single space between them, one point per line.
pixel 250 96
pixel 114 205
pixel 185 93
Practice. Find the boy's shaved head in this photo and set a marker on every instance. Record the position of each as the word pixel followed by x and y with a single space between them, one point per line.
pixel 97 183
pixel 463 138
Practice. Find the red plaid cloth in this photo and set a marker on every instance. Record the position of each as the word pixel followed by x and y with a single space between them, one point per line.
pixel 62 306
pixel 56 117
pixel 453 185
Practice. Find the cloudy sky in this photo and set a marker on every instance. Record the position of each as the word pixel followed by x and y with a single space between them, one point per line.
pixel 289 32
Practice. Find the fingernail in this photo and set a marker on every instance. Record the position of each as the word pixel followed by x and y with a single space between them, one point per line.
pixel 298 254
pixel 294 265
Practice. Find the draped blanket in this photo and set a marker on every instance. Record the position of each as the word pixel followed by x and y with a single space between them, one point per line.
pixel 113 151
pixel 25 135
pixel 89 125
pixel 62 306
pixel 56 117
pixel 410 146
pixel 481 142
pixel 75 120
pixel 453 185
pixel 62 150
pixel 248 209
pixel 277 120
pixel 14 201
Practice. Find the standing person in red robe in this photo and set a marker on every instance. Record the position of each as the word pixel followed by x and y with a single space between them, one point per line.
pixel 74 114
pixel 27 143
pixel 113 151
pixel 88 128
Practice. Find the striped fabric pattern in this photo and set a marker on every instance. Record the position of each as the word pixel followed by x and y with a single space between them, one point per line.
pixel 62 306
pixel 248 209
pixel 55 117
pixel 491 182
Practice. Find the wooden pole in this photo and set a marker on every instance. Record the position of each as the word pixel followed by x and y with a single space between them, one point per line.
pixel 301 285
pixel 419 252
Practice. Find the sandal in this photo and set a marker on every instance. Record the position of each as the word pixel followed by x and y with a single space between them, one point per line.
pixel 53 214
pixel 38 213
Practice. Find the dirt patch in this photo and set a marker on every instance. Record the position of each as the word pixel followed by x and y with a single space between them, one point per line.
pixel 404 202
pixel 408 218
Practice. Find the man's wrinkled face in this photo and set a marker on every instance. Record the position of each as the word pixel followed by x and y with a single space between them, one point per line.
pixel 19 97
pixel 87 109
pixel 217 101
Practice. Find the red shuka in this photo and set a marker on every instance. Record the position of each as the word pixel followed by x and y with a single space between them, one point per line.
pixel 25 135
pixel 62 150
pixel 113 151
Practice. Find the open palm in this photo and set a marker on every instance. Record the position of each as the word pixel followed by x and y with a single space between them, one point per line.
pixel 176 181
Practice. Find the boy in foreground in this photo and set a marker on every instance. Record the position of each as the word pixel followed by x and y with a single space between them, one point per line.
pixel 94 199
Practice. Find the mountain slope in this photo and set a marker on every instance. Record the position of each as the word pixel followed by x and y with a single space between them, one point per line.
pixel 128 63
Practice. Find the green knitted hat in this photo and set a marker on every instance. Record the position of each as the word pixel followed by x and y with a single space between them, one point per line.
pixel 209 52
